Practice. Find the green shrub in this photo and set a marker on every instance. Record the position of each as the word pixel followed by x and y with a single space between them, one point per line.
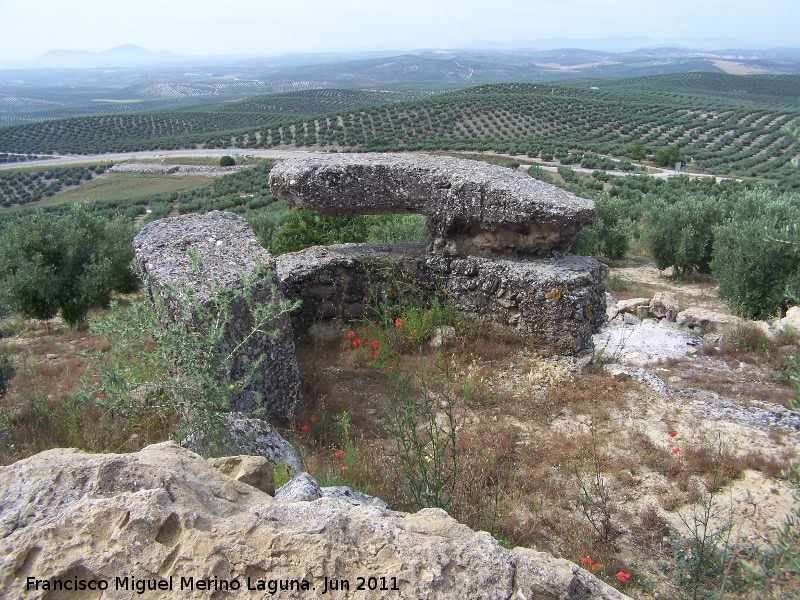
pixel 226 161
pixel 668 156
pixel 303 229
pixel 390 229
pixel 609 234
pixel 681 234
pixel 52 263
pixel 757 254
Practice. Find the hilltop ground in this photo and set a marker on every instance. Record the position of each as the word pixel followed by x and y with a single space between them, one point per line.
pixel 576 461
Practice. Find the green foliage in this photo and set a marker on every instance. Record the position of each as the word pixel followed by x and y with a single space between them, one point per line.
pixel 23 187
pixel 609 234
pixel 226 161
pixel 539 173
pixel 303 229
pixel 67 264
pixel 183 365
pixel 390 229
pixel 755 262
pixel 636 150
pixel 426 448
pixel 681 234
pixel 668 156
pixel 7 372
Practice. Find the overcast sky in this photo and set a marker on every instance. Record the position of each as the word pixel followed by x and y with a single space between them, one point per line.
pixel 28 28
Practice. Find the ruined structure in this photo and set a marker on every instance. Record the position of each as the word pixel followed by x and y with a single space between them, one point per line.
pixel 188 262
pixel 495 247
pixel 473 208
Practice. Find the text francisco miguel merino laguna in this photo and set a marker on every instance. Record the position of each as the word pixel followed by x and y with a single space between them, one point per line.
pixel 171 583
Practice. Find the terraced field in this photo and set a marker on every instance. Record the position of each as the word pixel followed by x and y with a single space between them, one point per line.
pixel 723 124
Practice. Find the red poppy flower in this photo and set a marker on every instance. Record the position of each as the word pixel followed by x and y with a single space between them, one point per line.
pixel 398 321
pixel 623 577
pixel 339 453
pixel 375 344
pixel 374 353
pixel 344 468
pixel 673 433
pixel 304 428
pixel 596 566
pixel 100 395
pixel 351 335
pixel 313 419
pixel 675 450
pixel 586 560
pixel 356 343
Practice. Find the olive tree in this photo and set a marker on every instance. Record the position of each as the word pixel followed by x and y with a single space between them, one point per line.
pixel 67 264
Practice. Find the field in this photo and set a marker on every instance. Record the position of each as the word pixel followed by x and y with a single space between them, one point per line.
pixel 723 124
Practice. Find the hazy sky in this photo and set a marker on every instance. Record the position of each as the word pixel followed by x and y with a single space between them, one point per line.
pixel 29 28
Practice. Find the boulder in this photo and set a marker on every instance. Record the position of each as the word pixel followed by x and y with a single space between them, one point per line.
pixel 188 261
pixel 707 320
pixel 472 207
pixel 442 336
pixel 164 513
pixel 791 322
pixel 665 305
pixel 252 470
pixel 251 437
pixel 630 306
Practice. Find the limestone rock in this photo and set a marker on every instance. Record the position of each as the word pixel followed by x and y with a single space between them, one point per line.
pixel 252 470
pixel 791 322
pixel 630 319
pixel 442 336
pixel 665 305
pixel 301 488
pixel 472 207
pixel 251 437
pixel 630 306
pixel 707 320
pixel 164 513
pixel 342 492
pixel 190 259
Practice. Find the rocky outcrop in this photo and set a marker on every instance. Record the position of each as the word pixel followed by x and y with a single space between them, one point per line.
pixel 558 301
pixel 188 262
pixel 163 519
pixel 473 208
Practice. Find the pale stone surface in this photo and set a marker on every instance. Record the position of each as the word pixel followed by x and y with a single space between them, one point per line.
pixel 252 470
pixel 251 437
pixel 707 320
pixel 665 305
pixel 226 255
pixel 442 336
pixel 791 322
pixel 472 207
pixel 630 306
pixel 165 512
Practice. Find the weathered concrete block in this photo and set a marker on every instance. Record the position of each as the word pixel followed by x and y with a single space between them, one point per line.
pixel 558 301
pixel 226 255
pixel 473 208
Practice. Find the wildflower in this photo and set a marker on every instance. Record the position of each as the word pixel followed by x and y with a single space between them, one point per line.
pixel 673 433
pixel 351 335
pixel 304 428
pixel 313 419
pixel 486 322
pixel 374 353
pixel 758 332
pixel 413 332
pixel 356 343
pixel 596 566
pixel 398 321
pixel 100 396
pixel 623 576
pixel 339 453
pixel 428 458
pixel 675 450
pixel 747 337
pixel 586 560
pixel 344 468
pixel 375 344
